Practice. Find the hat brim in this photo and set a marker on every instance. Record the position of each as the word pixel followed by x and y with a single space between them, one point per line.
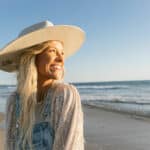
pixel 71 36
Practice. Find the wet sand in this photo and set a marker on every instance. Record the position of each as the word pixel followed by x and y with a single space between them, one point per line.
pixel 107 130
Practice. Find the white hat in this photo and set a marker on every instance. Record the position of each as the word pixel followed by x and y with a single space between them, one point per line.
pixel 71 36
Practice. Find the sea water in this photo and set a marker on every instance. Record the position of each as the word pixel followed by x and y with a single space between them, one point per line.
pixel 131 96
pixel 5 91
pixel 125 96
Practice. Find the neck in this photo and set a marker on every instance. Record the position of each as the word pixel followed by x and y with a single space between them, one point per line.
pixel 42 84
pixel 42 87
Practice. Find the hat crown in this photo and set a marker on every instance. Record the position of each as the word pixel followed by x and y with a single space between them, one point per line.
pixel 35 27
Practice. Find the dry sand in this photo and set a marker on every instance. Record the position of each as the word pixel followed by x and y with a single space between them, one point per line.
pixel 106 130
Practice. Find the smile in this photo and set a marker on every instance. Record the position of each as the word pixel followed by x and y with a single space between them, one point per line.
pixel 56 67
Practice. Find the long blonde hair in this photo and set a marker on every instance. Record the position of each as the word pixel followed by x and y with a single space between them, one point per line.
pixel 27 78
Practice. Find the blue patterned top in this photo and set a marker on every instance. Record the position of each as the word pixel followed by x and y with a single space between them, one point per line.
pixel 43 133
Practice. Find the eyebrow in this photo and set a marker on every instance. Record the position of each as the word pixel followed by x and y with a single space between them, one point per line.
pixel 54 48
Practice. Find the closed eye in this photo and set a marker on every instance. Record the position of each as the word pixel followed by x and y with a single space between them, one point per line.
pixel 52 50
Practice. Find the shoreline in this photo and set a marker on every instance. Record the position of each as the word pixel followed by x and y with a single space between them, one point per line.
pixel 132 115
pixel 109 130
pixel 137 109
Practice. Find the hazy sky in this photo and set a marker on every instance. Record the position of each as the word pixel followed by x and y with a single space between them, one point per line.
pixel 117 43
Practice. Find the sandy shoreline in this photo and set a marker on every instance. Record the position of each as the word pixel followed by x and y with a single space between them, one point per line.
pixel 2 132
pixel 106 130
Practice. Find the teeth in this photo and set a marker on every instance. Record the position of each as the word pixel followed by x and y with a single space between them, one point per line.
pixel 56 67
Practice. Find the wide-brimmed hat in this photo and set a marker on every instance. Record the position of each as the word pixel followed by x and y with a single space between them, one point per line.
pixel 71 36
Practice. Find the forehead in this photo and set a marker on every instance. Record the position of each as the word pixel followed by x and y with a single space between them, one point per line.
pixel 56 44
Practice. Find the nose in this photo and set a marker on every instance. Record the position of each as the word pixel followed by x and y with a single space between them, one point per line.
pixel 60 57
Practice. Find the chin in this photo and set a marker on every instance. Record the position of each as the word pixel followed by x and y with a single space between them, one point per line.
pixel 56 77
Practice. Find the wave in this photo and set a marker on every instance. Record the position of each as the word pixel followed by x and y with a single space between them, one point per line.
pixel 87 87
pixel 116 98
pixel 134 108
pixel 7 86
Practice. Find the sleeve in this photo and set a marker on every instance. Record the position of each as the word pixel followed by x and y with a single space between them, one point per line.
pixel 67 119
pixel 9 139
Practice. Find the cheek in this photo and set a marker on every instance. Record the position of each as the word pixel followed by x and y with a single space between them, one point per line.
pixel 44 59
pixel 42 63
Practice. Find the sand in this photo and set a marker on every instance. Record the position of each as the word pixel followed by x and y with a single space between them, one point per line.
pixel 2 116
pixel 106 130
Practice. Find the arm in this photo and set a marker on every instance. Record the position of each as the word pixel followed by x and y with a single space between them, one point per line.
pixel 67 119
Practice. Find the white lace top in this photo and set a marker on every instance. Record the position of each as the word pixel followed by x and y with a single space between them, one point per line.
pixel 66 118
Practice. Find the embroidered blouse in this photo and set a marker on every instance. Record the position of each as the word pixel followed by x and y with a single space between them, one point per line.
pixel 66 118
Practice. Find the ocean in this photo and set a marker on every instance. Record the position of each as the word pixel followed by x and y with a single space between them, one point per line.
pixel 126 96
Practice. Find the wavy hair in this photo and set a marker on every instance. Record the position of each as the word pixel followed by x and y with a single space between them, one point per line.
pixel 27 77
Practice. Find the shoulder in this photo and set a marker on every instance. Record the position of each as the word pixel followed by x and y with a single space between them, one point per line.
pixel 66 88
pixel 66 92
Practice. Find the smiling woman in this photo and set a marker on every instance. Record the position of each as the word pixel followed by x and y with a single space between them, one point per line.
pixel 50 63
pixel 43 112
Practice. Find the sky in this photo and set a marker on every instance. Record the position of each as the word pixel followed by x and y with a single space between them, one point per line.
pixel 117 45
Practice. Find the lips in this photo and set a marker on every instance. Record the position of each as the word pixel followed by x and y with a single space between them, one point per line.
pixel 55 67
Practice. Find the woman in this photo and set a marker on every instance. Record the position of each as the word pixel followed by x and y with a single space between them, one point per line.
pixel 43 113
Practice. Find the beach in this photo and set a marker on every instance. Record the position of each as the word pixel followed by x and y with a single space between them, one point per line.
pixel 108 130
pixel 2 116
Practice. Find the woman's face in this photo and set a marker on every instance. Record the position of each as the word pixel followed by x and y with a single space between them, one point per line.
pixel 50 63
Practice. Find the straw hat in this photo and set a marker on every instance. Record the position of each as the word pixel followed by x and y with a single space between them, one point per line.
pixel 71 36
